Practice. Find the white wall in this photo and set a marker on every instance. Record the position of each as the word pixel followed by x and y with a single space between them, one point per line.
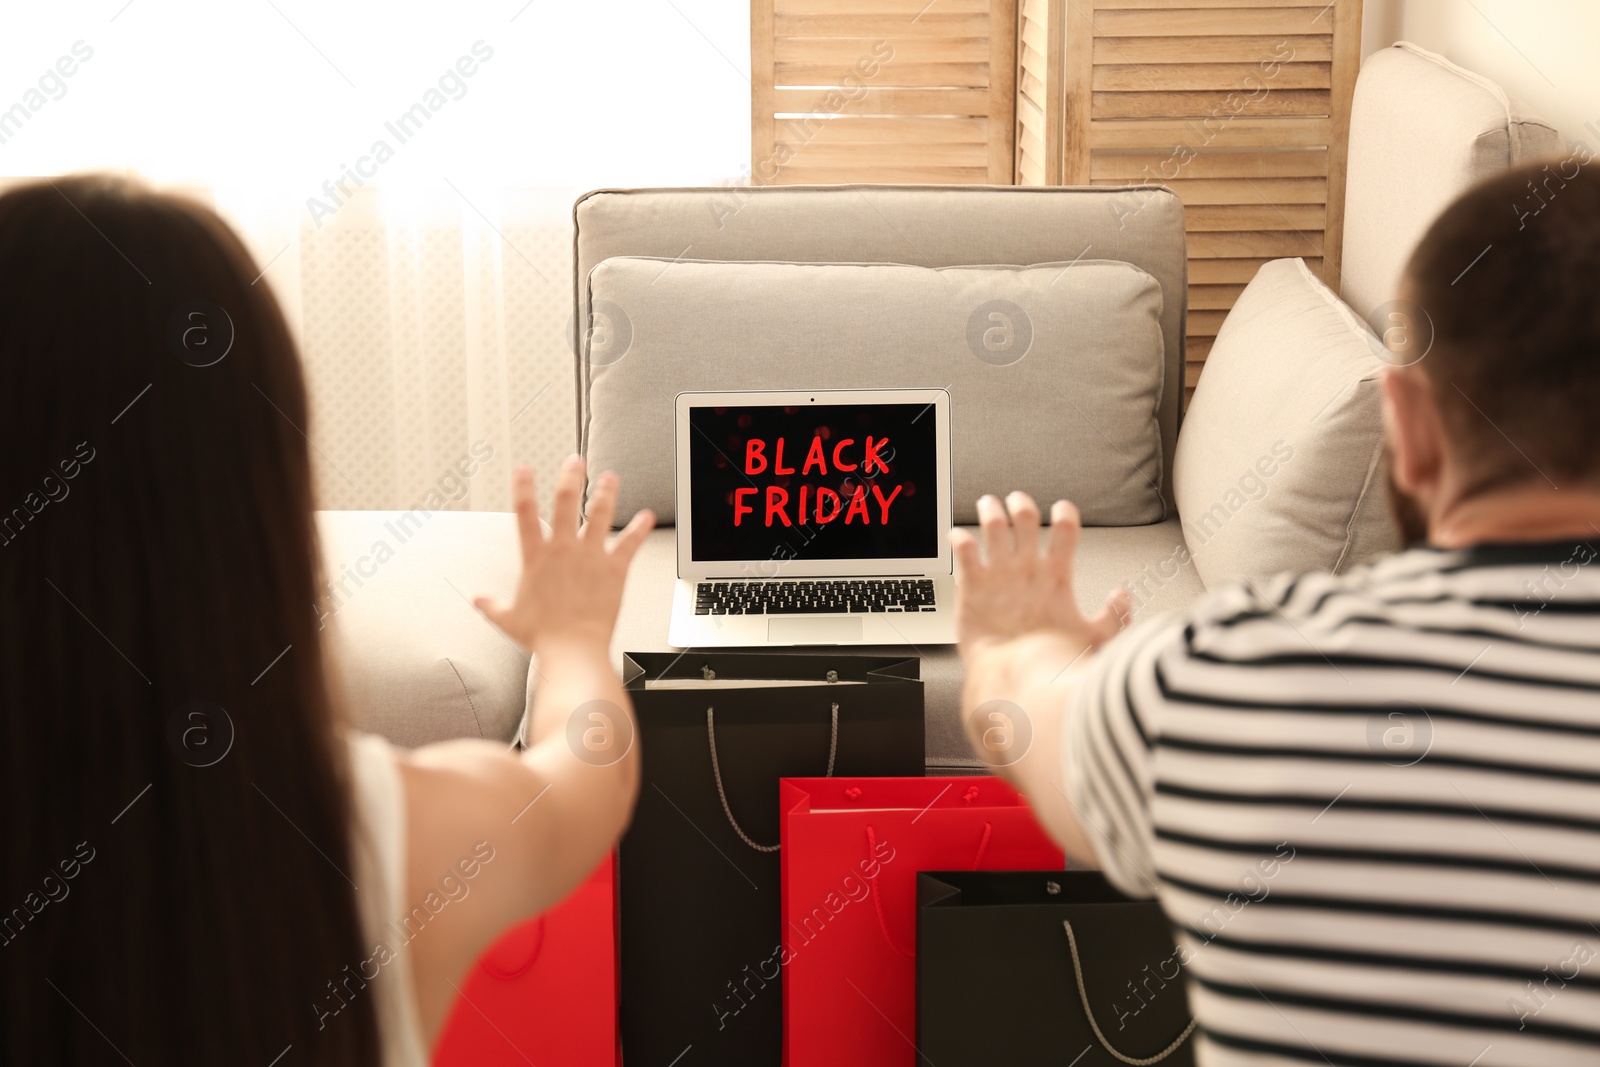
pixel 1543 52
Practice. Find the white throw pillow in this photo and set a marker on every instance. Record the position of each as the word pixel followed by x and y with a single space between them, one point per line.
pixel 1422 132
pixel 1280 459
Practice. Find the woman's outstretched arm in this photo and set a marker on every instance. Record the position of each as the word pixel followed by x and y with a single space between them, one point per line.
pixel 548 816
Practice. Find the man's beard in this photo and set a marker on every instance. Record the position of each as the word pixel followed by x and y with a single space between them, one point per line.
pixel 1408 517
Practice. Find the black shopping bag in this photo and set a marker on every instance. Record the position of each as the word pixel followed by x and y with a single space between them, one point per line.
pixel 699 871
pixel 1078 972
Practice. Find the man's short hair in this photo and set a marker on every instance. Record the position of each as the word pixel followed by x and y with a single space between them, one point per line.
pixel 1509 275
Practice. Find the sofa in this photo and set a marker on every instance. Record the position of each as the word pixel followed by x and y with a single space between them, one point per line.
pixel 1276 465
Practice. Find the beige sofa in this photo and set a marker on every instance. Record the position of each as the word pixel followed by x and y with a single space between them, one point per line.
pixel 420 664
pixel 625 411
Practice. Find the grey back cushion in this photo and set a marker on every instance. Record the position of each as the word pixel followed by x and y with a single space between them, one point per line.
pixel 924 225
pixel 1422 130
pixel 1055 373
pixel 1280 462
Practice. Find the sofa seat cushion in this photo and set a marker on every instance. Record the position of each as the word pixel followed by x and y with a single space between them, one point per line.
pixel 416 661
pixel 1150 561
pixel 1279 464
pixel 1055 372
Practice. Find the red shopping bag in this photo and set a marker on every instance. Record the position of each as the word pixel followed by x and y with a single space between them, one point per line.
pixel 852 848
pixel 546 991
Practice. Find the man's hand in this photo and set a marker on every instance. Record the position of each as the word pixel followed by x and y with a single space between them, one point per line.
pixel 571 584
pixel 1021 637
pixel 1015 590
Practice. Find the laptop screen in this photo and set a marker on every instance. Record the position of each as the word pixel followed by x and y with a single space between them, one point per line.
pixel 814 482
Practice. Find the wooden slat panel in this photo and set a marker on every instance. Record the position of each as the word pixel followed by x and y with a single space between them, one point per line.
pixel 911 8
pixel 1244 191
pixel 1077 77
pixel 1213 297
pixel 1191 377
pixel 1035 35
pixel 1039 114
pixel 1032 141
pixel 1028 111
pixel 1220 22
pixel 1346 61
pixel 1033 60
pixel 799 174
pixel 934 22
pixel 1029 170
pixel 1030 167
pixel 1220 133
pixel 886 90
pixel 1252 50
pixel 1165 5
pixel 893 101
pixel 1201 105
pixel 1275 245
pixel 1047 14
pixel 844 52
pixel 1231 271
pixel 763 131
pixel 1203 218
pixel 1032 89
pixel 849 129
pixel 1246 78
pixel 901 153
pixel 1154 167
pixel 1003 92
pixel 1239 106
pixel 892 73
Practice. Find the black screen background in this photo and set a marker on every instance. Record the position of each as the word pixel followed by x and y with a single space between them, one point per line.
pixel 717 440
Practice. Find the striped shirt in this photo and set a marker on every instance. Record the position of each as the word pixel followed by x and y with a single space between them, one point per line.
pixel 1369 804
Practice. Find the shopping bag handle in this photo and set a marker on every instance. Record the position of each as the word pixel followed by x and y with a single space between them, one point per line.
pixel 517 972
pixel 716 771
pixel 877 900
pixel 1083 995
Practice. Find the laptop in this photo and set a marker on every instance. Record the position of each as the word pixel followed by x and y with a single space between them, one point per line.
pixel 815 517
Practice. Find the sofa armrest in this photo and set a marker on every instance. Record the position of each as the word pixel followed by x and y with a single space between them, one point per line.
pixel 413 659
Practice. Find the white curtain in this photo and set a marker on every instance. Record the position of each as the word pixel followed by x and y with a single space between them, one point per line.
pixel 404 173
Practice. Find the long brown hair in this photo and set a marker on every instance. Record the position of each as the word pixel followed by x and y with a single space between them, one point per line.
pixel 177 844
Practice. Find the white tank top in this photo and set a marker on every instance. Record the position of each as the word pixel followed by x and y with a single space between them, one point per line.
pixel 379 861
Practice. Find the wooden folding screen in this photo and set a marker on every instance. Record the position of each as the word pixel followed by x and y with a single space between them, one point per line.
pixel 882 91
pixel 1241 106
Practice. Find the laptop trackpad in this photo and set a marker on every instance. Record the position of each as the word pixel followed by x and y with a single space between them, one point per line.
pixel 818 631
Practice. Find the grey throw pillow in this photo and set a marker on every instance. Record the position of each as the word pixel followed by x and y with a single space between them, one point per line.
pixel 1055 372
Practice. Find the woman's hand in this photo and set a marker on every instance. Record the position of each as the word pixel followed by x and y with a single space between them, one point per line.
pixel 1014 590
pixel 571 584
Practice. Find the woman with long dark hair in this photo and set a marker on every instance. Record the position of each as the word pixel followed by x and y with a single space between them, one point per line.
pixel 277 903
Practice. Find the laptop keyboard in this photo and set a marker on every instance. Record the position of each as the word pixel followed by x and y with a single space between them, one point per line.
pixel 814 597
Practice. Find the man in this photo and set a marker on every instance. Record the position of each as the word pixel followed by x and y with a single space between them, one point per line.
pixel 1370 803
